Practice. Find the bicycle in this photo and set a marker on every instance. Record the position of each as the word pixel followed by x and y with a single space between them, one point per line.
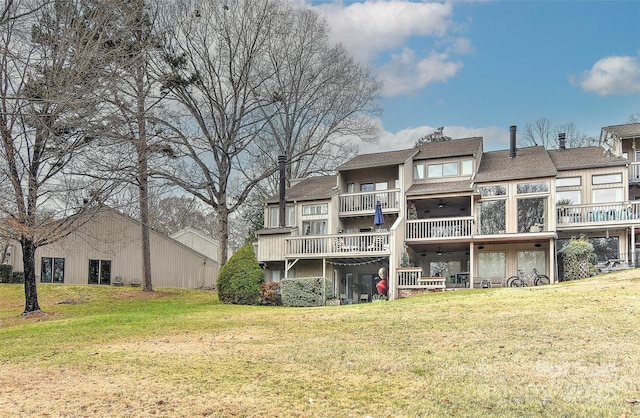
pixel 533 278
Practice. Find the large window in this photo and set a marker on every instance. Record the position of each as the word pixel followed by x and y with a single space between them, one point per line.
pixel 492 265
pixel 572 196
pixel 318 227
pixel 531 214
pixel 529 260
pixel 443 170
pixel 100 272
pixel 274 216
pixel 606 178
pixel 52 270
pixel 491 217
pixel 607 195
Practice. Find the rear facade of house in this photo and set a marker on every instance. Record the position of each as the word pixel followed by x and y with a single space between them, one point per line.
pixel 456 216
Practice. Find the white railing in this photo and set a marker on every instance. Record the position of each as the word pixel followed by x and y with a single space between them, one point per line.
pixel 439 228
pixel 619 213
pixel 366 201
pixel 411 278
pixel 336 245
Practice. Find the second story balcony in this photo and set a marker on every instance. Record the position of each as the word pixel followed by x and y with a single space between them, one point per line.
pixel 439 228
pixel 364 203
pixel 338 245
pixel 619 213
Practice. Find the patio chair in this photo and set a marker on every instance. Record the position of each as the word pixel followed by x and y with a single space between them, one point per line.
pixel 343 298
pixel 364 298
pixel 117 281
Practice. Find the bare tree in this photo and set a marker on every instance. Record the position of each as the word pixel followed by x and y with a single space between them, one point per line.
pixel 634 117
pixel 541 132
pixel 53 80
pixel 174 213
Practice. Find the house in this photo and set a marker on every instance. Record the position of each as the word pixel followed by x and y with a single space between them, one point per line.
pixel 197 241
pixel 454 215
pixel 107 250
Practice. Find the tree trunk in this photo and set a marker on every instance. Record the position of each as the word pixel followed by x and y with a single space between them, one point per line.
pixel 29 260
pixel 223 233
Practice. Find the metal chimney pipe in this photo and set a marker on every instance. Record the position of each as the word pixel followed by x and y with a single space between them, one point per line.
pixel 282 165
pixel 562 140
pixel 512 137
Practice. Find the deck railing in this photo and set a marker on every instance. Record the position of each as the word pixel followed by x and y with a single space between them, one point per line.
pixel 412 278
pixel 336 245
pixel 460 227
pixel 365 202
pixel 618 213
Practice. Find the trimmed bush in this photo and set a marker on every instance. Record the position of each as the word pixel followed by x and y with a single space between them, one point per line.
pixel 270 294
pixel 240 278
pixel 17 277
pixel 5 273
pixel 306 291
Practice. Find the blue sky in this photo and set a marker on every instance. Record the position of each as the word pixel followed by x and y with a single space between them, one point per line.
pixel 477 67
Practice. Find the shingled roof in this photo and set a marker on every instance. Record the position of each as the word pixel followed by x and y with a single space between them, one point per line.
pixel 379 159
pixel 451 148
pixel 312 188
pixel 584 157
pixel 629 130
pixel 439 187
pixel 531 162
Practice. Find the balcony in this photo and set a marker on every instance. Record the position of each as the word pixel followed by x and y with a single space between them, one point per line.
pixel 340 245
pixel 364 203
pixel 438 228
pixel 619 213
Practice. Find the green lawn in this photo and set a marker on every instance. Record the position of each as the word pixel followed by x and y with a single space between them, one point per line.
pixel 566 350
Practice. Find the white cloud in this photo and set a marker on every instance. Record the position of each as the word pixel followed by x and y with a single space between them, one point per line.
pixel 612 75
pixel 368 28
pixel 405 73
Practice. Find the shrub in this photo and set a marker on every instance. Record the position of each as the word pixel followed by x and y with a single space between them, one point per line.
pixel 578 257
pixel 240 278
pixel 306 291
pixel 5 273
pixel 270 294
pixel 17 277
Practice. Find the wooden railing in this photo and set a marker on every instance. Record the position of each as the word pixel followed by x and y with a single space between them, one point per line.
pixel 617 213
pixel 370 243
pixel 365 202
pixel 411 278
pixel 460 227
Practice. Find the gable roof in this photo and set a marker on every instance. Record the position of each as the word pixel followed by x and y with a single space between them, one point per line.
pixel 311 188
pixel 379 159
pixel 584 157
pixel 451 148
pixel 531 162
pixel 628 130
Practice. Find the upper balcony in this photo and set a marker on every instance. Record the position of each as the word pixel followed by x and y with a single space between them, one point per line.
pixel 338 245
pixel 439 228
pixel 616 214
pixel 364 203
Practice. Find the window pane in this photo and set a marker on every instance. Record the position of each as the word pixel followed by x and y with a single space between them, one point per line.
pixel 366 187
pixel 467 167
pixel 450 169
pixel 491 217
pixel 46 273
pixel 573 196
pixel 568 181
pixel 273 217
pixel 528 260
pixel 94 271
pixel 418 171
pixel 531 215
pixel 605 248
pixel 492 265
pixel 58 270
pixel 435 170
pixel 535 187
pixel 105 272
pixel 607 178
pixel 607 195
pixel 290 215
pixel 498 190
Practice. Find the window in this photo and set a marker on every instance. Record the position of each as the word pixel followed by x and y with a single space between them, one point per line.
pixel 367 187
pixel 321 209
pixel 418 171
pixel 606 178
pixel 491 217
pixel 277 275
pixel 351 188
pixel 533 187
pixel 492 265
pixel 531 214
pixel 100 272
pixel 497 190
pixel 443 170
pixel 274 216
pixel 467 167
pixel 314 227
pixel 607 195
pixel 52 270
pixel 568 181
pixel 573 196
pixel 528 260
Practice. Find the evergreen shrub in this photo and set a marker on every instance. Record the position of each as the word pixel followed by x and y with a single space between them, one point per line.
pixel 5 273
pixel 17 277
pixel 240 278
pixel 306 291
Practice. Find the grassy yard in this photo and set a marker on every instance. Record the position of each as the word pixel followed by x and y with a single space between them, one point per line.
pixel 567 350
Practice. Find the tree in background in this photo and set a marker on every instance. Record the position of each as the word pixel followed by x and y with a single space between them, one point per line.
pixel 175 213
pixel 540 132
pixel 436 136
pixel 54 72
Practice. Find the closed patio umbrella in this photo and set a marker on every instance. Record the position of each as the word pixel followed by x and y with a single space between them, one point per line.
pixel 378 218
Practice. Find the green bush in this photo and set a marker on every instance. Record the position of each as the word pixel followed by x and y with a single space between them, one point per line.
pixel 5 273
pixel 17 277
pixel 306 291
pixel 578 257
pixel 240 278
pixel 270 294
